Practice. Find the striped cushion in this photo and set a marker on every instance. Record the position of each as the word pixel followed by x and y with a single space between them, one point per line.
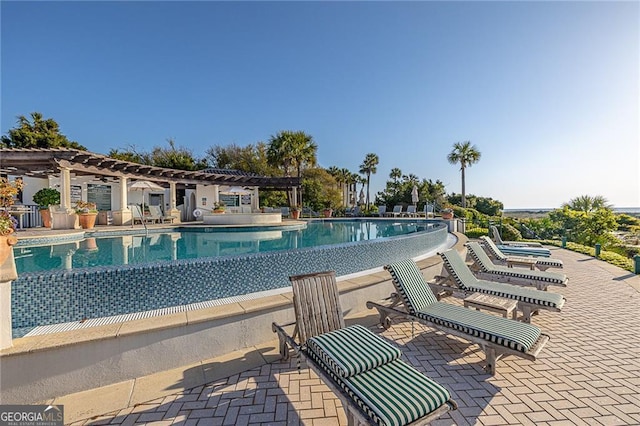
pixel 411 285
pixel 497 253
pixel 501 331
pixel 481 259
pixel 352 350
pixel 491 246
pixel 521 294
pixel 458 269
pixel 525 251
pixel 393 394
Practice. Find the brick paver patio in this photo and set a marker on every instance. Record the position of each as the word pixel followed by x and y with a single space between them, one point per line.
pixel 588 374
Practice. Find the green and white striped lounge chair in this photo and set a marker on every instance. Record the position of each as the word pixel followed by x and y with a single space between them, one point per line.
pixel 457 278
pixel 484 268
pixel 542 263
pixel 375 386
pixel 498 239
pixel 497 336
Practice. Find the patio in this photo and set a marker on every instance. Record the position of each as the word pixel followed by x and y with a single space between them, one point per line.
pixel 587 374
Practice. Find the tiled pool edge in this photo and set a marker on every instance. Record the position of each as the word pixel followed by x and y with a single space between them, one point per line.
pixel 39 368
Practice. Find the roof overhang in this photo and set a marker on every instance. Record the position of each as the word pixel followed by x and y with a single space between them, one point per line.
pixel 43 162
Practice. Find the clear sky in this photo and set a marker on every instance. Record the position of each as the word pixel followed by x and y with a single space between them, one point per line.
pixel 548 92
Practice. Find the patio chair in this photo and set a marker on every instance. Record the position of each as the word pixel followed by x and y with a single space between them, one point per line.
pixel 397 211
pixel 362 369
pixel 353 212
pixel 542 263
pixel 411 211
pixel 157 215
pixel 484 268
pixel 456 278
pixel 137 215
pixel 286 211
pixel 497 336
pixel 498 240
pixel 382 211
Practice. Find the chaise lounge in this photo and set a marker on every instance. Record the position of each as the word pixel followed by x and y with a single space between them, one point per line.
pixel 497 256
pixel 457 278
pixel 484 268
pixel 498 239
pixel 375 386
pixel 496 336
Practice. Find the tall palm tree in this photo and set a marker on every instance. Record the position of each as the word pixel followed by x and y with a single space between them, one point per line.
pixel 335 172
pixel 369 166
pixel 292 150
pixel 344 176
pixel 466 155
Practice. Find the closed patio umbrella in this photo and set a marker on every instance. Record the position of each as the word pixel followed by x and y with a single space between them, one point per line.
pixel 414 195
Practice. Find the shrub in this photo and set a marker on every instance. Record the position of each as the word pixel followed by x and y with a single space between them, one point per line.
pixel 46 197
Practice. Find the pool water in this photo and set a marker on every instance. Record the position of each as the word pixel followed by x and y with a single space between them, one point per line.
pixel 206 242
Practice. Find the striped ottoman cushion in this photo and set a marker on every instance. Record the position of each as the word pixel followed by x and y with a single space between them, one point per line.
pixel 511 334
pixel 352 350
pixel 521 294
pixel 542 276
pixel 393 394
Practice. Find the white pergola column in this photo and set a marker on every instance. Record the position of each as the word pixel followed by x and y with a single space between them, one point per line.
pixel 123 216
pixel 173 211
pixel 65 188
pixel 255 200
pixel 294 195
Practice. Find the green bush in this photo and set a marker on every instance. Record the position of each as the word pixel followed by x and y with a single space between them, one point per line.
pixel 605 255
pixel 46 197
pixel 475 233
pixel 510 233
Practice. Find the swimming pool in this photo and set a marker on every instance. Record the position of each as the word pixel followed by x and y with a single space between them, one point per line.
pixel 121 275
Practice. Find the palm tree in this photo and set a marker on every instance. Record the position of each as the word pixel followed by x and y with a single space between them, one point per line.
pixel 588 204
pixel 335 172
pixel 291 149
pixel 465 154
pixel 367 168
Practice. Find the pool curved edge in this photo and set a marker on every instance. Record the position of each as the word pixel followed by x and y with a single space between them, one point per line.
pixel 43 299
pixel 44 367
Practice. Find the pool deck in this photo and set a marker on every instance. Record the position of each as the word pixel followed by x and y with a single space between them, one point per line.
pixel 588 373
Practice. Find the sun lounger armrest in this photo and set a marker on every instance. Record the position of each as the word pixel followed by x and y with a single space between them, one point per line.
pixel 285 340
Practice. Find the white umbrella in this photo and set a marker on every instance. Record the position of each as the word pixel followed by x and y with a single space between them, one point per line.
pixel 361 198
pixel 414 196
pixel 143 185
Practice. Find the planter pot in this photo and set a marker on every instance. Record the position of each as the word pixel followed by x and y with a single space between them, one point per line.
pixel 87 220
pixel 218 211
pixel 6 245
pixel 46 218
pixel 327 212
pixel 447 215
pixel 295 214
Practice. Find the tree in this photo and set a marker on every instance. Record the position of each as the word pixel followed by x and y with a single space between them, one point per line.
pixel 37 133
pixel 466 155
pixel 368 167
pixel 172 157
pixel 587 203
pixel 289 149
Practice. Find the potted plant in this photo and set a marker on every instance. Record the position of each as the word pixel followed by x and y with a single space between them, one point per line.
pixel 328 211
pixel 8 223
pixel 295 212
pixel 87 214
pixel 45 198
pixel 446 213
pixel 219 207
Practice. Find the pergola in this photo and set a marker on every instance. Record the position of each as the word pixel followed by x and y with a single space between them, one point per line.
pixel 61 162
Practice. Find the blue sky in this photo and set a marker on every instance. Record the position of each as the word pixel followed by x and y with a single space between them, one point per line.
pixel 547 91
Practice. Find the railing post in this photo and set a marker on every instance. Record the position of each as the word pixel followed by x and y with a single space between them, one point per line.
pixel 636 264
pixel 598 247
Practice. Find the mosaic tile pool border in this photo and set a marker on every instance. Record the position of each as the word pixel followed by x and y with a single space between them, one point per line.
pixel 69 296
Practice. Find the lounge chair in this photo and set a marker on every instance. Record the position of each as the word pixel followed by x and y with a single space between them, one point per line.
pixel 137 215
pixel 397 211
pixel 542 263
pixel 361 368
pixel 411 211
pixel 382 211
pixel 456 277
pixel 496 336
pixel 484 268
pixel 156 214
pixel 498 240
pixel 353 212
